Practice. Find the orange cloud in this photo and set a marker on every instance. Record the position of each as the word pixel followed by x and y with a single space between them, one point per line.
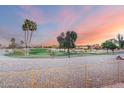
pixel 99 27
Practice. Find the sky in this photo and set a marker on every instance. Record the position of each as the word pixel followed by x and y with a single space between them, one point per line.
pixel 93 24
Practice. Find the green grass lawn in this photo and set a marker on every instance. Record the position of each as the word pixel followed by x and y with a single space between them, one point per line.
pixel 45 53
pixel 39 52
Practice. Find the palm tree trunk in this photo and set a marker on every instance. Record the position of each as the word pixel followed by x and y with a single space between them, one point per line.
pixel 27 36
pixel 30 37
pixel 25 43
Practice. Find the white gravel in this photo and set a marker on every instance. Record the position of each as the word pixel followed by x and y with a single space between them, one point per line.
pixel 118 85
pixel 19 65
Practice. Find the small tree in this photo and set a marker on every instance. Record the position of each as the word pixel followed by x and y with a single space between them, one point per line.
pixel 109 45
pixel 13 44
pixel 21 44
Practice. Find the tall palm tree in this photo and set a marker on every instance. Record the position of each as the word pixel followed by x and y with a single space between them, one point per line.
pixel 28 26
pixel 25 28
pixel 120 41
pixel 32 28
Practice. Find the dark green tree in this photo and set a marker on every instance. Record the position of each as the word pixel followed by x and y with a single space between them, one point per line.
pixel 109 45
pixel 61 40
pixel 67 40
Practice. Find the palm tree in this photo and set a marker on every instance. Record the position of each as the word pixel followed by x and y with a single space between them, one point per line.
pixel 33 28
pixel 28 26
pixel 25 28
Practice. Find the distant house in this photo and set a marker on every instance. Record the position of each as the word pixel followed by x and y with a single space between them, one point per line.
pixel 84 47
pixel 96 46
pixel 89 47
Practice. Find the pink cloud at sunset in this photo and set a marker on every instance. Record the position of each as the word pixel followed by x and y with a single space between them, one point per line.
pixel 32 13
pixel 93 24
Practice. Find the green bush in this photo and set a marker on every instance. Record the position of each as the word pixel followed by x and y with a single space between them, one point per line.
pixel 19 53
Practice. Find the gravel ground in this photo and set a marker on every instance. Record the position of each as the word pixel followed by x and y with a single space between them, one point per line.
pixel 60 72
pixel 20 64
pixel 118 85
